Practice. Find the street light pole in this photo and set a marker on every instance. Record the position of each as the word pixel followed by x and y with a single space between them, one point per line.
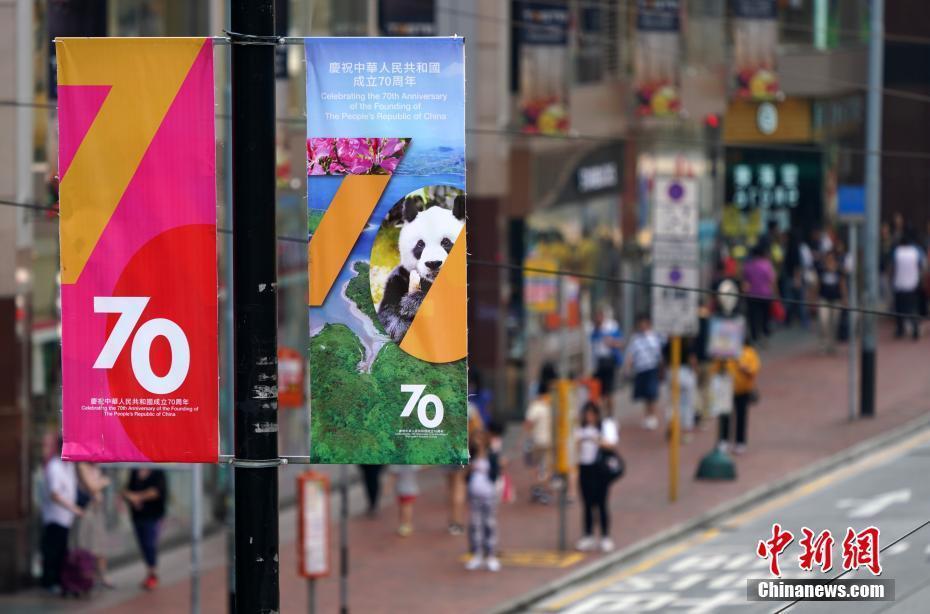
pixel 255 305
pixel 873 169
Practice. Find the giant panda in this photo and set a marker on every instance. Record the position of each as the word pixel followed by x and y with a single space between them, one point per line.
pixel 426 238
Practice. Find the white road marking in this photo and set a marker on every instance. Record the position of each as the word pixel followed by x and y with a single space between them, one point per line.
pixel 866 508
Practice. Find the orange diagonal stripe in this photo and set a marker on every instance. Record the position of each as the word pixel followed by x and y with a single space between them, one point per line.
pixel 439 332
pixel 146 74
pixel 339 229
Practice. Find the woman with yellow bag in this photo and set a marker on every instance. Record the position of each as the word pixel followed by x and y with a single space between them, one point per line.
pixel 742 372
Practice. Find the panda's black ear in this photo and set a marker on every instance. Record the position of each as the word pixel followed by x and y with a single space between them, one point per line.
pixel 458 207
pixel 411 209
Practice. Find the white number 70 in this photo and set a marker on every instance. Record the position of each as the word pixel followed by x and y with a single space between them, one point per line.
pixel 130 309
pixel 421 401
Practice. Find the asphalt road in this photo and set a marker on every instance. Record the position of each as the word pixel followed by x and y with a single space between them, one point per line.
pixel 706 572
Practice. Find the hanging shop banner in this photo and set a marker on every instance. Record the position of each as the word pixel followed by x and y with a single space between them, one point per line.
pixel 540 289
pixel 755 48
pixel 657 60
pixel 386 197
pixel 541 38
pixel 138 249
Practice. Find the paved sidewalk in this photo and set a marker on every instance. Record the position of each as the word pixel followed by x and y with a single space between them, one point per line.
pixel 800 419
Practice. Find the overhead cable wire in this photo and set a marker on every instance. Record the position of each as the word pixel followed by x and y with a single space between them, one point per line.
pixel 588 277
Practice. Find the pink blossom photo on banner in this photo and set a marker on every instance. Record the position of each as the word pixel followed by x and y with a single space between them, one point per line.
pixel 354 156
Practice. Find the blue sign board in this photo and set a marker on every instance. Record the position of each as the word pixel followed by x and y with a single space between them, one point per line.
pixel 851 201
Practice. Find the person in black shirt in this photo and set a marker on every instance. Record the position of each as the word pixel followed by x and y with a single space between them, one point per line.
pixel 831 291
pixel 146 493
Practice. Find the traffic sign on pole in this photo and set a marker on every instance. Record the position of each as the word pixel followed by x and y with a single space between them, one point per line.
pixel 675 266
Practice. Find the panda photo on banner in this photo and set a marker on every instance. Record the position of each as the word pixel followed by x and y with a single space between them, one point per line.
pixel 413 243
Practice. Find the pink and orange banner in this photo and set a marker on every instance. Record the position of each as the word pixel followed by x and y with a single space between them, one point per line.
pixel 138 249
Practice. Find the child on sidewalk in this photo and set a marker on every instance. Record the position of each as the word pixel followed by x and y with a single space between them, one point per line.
pixel 406 489
pixel 483 472
pixel 687 394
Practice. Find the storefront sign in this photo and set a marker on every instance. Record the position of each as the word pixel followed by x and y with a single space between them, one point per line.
pixel 785 121
pixel 755 48
pixel 765 185
pixel 407 17
pixel 770 186
pixel 386 193
pixel 543 23
pixel 656 61
pixel 312 525
pixel 603 176
pixel 138 249
pixel 675 265
pixel 657 15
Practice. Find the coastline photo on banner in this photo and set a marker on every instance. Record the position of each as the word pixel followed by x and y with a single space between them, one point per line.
pixel 386 199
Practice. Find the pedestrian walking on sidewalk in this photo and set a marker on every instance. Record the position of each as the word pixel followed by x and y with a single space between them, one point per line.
pixel 595 434
pixel 759 283
pixel 484 469
pixel 743 372
pixel 537 426
pixel 688 393
pixel 371 476
pixel 147 494
pixel 607 355
pixel 645 361
pixel 831 290
pixel 908 262
pixel 455 474
pixel 406 489
pixel 91 529
pixel 59 509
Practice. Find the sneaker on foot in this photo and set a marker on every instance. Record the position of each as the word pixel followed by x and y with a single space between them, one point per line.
pixel 150 583
pixel 739 448
pixel 475 562
pixel 586 543
pixel 493 564
pixel 650 423
pixel 404 530
pixel 607 544
pixel 723 446
pixel 456 529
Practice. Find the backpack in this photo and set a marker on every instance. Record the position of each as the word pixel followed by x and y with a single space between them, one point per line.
pixel 78 572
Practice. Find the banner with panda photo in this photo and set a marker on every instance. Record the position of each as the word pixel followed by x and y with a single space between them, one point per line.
pixel 386 199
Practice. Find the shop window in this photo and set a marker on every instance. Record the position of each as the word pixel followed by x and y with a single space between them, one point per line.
pixel 598 53
pixel 157 18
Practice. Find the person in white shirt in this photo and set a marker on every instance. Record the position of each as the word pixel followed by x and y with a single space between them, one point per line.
pixel 59 509
pixel 908 262
pixel 644 358
pixel 687 393
pixel 537 425
pixel 593 435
